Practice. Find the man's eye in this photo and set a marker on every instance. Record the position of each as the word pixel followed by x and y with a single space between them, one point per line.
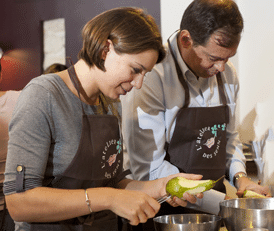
pixel 212 59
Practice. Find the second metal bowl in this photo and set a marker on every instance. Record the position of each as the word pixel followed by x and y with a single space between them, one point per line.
pixel 242 213
pixel 186 222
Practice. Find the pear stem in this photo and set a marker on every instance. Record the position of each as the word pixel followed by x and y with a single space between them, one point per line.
pixel 219 179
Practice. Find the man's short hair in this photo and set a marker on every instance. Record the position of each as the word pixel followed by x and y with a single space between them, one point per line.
pixel 204 17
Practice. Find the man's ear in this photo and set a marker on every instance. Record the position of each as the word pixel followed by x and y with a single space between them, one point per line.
pixel 185 39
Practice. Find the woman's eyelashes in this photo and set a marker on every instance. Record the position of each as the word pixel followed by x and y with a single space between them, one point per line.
pixel 137 70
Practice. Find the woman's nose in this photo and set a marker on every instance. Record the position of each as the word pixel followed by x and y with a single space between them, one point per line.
pixel 137 82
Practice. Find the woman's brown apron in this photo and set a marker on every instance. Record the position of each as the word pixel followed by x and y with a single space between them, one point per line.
pixel 97 163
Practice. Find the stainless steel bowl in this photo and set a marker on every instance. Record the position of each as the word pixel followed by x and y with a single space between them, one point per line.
pixel 242 213
pixel 187 222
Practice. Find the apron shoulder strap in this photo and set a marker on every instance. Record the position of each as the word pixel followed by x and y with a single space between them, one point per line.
pixel 181 76
pixel 221 88
pixel 76 83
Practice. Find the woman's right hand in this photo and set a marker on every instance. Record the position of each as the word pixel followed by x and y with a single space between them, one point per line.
pixel 135 206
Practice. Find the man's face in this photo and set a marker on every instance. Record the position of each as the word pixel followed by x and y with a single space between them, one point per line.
pixel 206 61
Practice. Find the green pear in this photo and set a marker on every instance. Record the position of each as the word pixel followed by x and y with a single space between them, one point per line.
pixel 251 194
pixel 177 186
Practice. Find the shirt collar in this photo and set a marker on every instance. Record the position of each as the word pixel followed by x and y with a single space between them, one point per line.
pixel 174 46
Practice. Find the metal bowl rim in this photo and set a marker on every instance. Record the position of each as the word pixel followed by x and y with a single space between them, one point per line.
pixel 247 209
pixel 218 218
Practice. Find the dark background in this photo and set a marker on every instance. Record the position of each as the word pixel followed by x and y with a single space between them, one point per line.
pixel 21 31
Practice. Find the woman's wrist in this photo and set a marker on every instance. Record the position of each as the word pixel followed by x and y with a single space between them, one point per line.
pixel 100 198
pixel 88 201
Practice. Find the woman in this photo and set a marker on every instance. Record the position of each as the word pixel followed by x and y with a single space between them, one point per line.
pixel 64 166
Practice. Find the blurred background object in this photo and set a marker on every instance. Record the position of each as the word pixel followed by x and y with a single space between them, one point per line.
pixel 19 66
pixel 23 24
pixel 1 53
pixel 7 103
pixel 55 67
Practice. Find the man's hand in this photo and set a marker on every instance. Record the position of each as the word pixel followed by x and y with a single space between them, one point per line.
pixel 245 183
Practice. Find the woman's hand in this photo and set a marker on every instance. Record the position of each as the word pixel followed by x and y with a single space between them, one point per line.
pixel 43 204
pixel 175 201
pixel 157 188
pixel 135 206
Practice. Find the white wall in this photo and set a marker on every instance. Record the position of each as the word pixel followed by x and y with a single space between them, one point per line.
pixel 256 62
pixel 171 15
pixel 253 62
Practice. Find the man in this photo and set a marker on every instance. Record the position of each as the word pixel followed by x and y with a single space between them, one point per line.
pixel 7 102
pixel 183 118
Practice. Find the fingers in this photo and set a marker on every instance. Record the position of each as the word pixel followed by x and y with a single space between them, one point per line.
pixel 194 177
pixel 146 210
pixel 141 217
pixel 267 191
pixel 135 206
pixel 192 199
pixel 189 176
pixel 178 202
pixel 247 184
pixel 138 218
pixel 200 195
pixel 263 190
pixel 240 193
pixel 175 201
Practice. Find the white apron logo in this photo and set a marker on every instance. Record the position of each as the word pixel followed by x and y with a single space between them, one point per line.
pixel 112 159
pixel 211 141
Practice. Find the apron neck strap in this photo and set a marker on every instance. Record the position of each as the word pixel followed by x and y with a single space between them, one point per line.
pixel 221 88
pixel 74 79
pixel 180 75
pixel 76 83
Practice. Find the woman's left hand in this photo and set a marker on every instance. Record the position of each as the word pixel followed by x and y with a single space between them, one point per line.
pixel 175 201
pixel 157 188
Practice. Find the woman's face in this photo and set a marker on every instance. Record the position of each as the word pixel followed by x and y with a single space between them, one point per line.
pixel 125 71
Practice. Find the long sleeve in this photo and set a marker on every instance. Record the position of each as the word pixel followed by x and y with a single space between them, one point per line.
pixel 235 157
pixel 144 130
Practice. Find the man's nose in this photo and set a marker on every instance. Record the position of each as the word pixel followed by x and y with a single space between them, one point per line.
pixel 220 66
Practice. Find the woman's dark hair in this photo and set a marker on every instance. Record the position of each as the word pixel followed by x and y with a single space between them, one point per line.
pixel 131 31
pixel 204 17
pixel 56 67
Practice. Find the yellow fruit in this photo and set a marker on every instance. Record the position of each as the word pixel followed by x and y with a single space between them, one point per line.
pixel 251 194
pixel 177 186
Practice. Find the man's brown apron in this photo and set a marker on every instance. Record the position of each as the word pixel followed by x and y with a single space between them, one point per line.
pixel 198 144
pixel 97 163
